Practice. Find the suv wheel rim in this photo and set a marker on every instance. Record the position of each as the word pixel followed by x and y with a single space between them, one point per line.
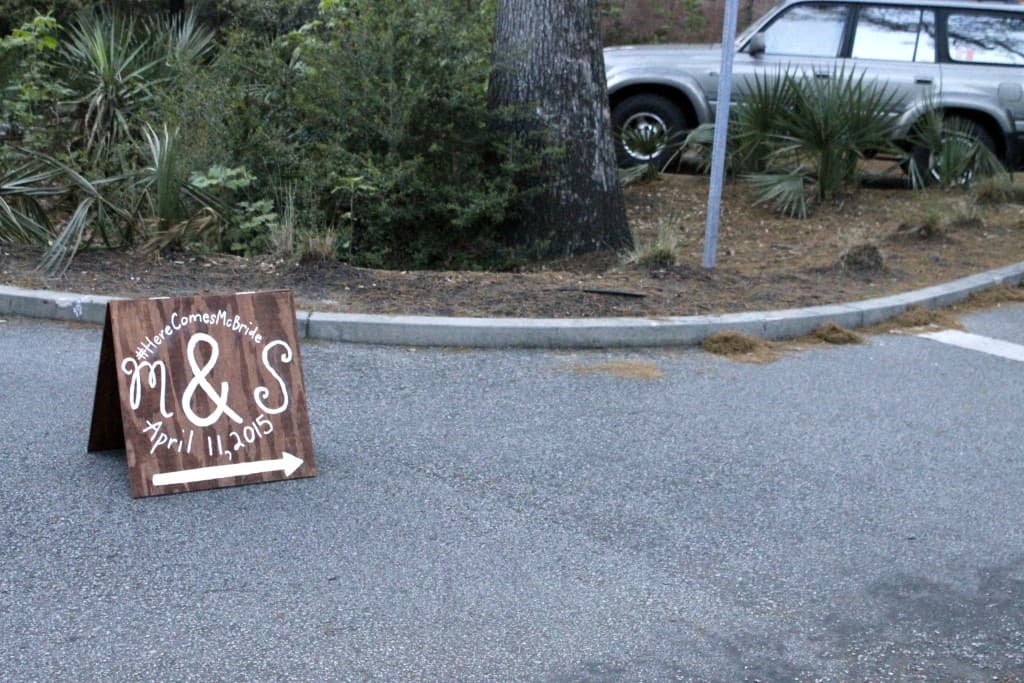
pixel 643 136
pixel 964 173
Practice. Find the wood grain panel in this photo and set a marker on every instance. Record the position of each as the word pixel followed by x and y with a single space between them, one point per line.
pixel 205 382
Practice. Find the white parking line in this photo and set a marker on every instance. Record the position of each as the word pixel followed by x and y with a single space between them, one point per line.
pixel 976 342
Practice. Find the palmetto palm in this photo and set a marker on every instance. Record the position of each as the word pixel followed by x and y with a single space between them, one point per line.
pixel 170 206
pixel 25 219
pixel 757 119
pixel 835 122
pixel 180 41
pixel 115 74
pixel 822 128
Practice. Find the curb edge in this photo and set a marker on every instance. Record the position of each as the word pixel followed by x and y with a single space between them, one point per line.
pixel 564 333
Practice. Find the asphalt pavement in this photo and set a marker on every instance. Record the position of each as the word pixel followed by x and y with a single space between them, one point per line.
pixel 842 514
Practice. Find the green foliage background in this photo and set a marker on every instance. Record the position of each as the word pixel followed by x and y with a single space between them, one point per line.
pixel 368 118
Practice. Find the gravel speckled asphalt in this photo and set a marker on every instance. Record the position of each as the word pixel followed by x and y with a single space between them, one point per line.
pixel 840 515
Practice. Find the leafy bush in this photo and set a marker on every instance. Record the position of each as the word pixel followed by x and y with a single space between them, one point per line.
pixel 30 83
pixel 265 18
pixel 14 13
pixel 379 108
pixel 364 131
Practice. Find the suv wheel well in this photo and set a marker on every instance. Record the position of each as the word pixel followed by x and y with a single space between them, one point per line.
pixel 987 123
pixel 673 95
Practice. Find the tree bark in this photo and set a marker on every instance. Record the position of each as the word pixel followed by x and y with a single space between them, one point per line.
pixel 548 62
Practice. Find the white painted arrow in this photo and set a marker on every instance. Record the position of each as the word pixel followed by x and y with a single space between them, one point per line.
pixel 287 464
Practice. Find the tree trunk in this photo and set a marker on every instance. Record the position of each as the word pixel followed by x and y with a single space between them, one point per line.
pixel 548 61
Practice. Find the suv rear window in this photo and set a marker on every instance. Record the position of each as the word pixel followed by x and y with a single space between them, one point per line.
pixel 986 38
pixel 900 34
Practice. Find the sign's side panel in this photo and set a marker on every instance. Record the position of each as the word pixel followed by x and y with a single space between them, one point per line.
pixel 106 431
pixel 212 392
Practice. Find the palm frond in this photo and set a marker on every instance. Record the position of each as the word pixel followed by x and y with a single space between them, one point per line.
pixel 163 177
pixel 64 247
pixel 951 152
pixel 697 145
pixel 25 224
pixel 29 180
pixel 631 175
pixel 758 118
pixel 789 193
pixel 182 39
pixel 73 180
pixel 115 77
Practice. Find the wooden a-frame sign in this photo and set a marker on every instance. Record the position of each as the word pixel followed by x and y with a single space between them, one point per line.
pixel 203 392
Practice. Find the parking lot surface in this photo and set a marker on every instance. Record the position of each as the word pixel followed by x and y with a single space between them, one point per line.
pixel 841 514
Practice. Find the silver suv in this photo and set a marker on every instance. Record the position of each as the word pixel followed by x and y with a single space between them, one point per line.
pixel 965 58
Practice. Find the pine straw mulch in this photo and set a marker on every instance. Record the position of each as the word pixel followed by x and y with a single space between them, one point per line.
pixel 880 240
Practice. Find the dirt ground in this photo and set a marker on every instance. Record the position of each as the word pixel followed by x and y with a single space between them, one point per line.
pixel 893 240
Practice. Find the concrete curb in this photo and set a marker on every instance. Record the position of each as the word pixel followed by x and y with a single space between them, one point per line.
pixel 409 330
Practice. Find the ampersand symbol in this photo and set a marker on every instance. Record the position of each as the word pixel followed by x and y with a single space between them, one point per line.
pixel 199 380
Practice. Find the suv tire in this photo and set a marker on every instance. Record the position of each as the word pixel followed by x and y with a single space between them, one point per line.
pixel 924 157
pixel 645 126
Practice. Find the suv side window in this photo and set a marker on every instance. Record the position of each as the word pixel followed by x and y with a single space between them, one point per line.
pixel 986 38
pixel 898 34
pixel 807 30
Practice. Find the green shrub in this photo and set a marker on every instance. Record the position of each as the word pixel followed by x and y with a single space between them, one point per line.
pixel 266 18
pixel 835 122
pixel 30 82
pixel 14 13
pixel 758 120
pixel 391 93
pixel 28 193
pixel 367 126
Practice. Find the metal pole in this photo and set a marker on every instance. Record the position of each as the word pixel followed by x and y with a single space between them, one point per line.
pixel 714 212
